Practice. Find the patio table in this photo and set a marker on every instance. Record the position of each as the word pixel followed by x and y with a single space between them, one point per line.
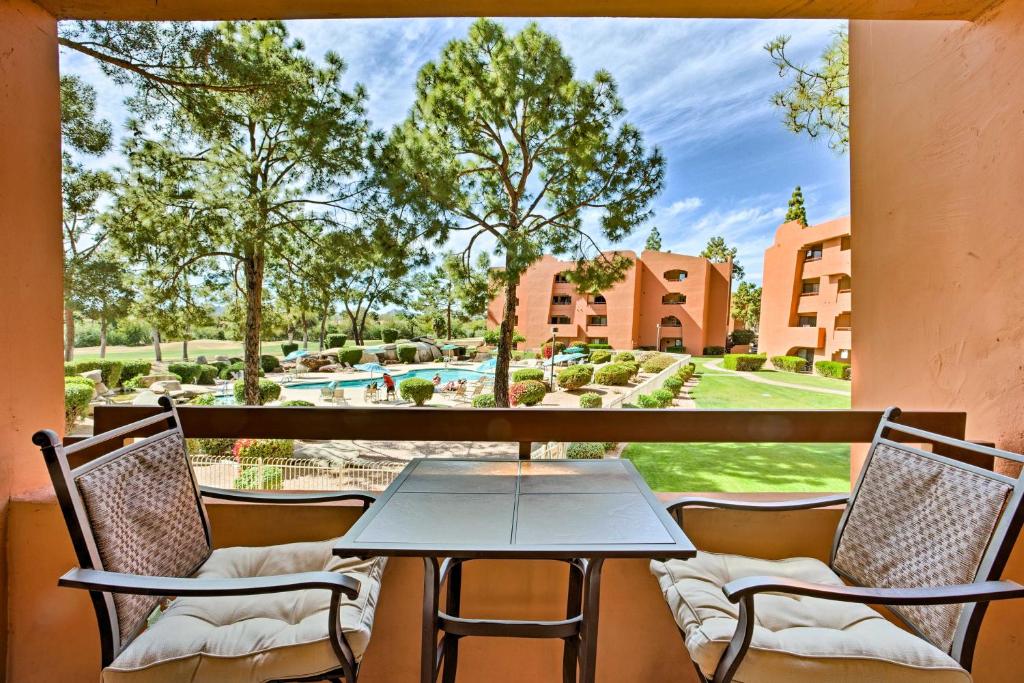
pixel 580 512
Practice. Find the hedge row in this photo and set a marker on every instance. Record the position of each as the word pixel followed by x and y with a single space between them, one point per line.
pixel 485 401
pixel 745 362
pixel 110 370
pixel 335 341
pixel 288 347
pixel 657 363
pixel 789 363
pixel 832 368
pixel 600 356
pixel 659 398
pixel 584 450
pixel 714 350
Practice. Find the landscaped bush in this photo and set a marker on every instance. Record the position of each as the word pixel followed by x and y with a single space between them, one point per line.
pixel 189 372
pixel 647 401
pixel 215 447
pixel 269 363
pixel 656 364
pixel 407 353
pixel 485 401
pixel 76 402
pixel 592 347
pixel 416 389
pixel 590 400
pixel 203 400
pixel 545 348
pixel 269 391
pixel 789 363
pixel 584 450
pixel 663 397
pixel 220 365
pixel 207 374
pixel 263 448
pixel 673 384
pixel 745 362
pixel 623 355
pixel 714 350
pixel 335 341
pixel 235 359
pixel 741 337
pixel 528 393
pixel 600 356
pixel 110 370
pixel 641 357
pixel 134 368
pixel 523 374
pixel 297 403
pixel 388 335
pixel 675 349
pixel 832 368
pixel 613 374
pixel 78 379
pixel 351 355
pixel 575 376
pixel 69 369
pixel 632 366
pixel 260 479
pixel 288 347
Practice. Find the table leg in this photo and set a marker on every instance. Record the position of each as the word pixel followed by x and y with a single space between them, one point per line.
pixel 591 609
pixel 571 649
pixel 431 587
pixel 453 606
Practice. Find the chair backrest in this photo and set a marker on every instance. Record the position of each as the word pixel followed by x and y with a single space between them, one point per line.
pixel 134 510
pixel 917 518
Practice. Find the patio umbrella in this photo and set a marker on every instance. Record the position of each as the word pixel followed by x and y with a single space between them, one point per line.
pixel 371 368
pixel 295 355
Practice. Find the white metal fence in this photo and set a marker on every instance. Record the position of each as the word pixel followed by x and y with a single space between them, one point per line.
pixel 294 474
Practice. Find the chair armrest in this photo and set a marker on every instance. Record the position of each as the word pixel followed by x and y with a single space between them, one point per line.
pixel 982 591
pixel 287 498
pixel 772 506
pixel 137 584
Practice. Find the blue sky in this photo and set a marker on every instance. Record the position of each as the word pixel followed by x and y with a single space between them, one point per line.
pixel 698 89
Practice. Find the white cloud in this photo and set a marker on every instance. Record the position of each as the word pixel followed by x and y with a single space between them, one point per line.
pixel 682 206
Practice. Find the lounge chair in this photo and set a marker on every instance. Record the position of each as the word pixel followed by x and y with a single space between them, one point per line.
pixel 338 397
pixel 326 394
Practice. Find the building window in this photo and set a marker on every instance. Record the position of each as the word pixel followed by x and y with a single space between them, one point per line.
pixel 845 283
pixel 674 275
pixel 560 320
pixel 597 340
pixel 807 321
pixel 598 299
pixel 844 243
pixel 674 298
pixel 812 253
pixel 561 278
pixel 808 287
pixel 597 321
pixel 561 300
pixel 670 321
pixel 806 354
pixel 843 321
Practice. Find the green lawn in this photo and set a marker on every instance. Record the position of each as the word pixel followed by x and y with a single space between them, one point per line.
pixel 747 467
pixel 200 347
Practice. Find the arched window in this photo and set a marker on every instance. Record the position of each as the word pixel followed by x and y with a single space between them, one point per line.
pixel 675 275
pixel 670 321
pixel 674 298
pixel 598 299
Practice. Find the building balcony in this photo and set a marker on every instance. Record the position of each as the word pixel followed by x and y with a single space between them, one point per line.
pixel 808 303
pixel 805 337
pixel 842 338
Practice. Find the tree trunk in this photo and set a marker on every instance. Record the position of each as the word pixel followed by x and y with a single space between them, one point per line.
pixel 103 337
pixel 305 331
pixel 69 335
pixel 449 322
pixel 253 267
pixel 157 353
pixel 184 348
pixel 505 346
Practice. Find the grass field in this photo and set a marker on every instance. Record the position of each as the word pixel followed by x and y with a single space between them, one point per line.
pixel 750 467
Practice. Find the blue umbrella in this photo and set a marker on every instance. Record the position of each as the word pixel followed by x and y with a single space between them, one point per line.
pixel 295 355
pixel 371 368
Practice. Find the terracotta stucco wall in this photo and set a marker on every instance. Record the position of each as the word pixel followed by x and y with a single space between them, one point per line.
pixel 30 252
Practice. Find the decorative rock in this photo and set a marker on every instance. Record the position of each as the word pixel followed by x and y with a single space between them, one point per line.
pixel 145 398
pixel 314 363
pixel 202 360
pixel 148 380
pixel 333 367
pixel 95 375
pixel 165 386
pixel 222 359
pixel 99 389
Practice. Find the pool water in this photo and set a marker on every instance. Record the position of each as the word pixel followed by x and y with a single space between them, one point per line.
pixel 446 376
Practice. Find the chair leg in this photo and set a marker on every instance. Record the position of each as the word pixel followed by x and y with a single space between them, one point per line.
pixel 453 606
pixel 574 602
pixel 431 587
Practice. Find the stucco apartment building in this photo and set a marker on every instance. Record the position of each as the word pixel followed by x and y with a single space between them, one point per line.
pixel 665 300
pixel 805 296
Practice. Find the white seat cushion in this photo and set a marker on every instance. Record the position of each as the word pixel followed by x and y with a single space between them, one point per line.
pixel 254 638
pixel 796 639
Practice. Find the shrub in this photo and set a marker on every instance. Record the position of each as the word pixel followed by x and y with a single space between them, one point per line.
pixel 263 448
pixel 600 356
pixel 491 336
pixel 484 401
pixel 78 379
pixel 203 400
pixel 269 363
pixel 832 368
pixel 110 370
pixel 741 337
pixel 575 376
pixel 189 372
pixel 76 402
pixel 623 355
pixel 663 397
pixel 647 401
pixel 219 364
pixel 407 353
pixel 613 374
pixel 675 349
pixel 599 346
pixel 590 400
pixel 260 479
pixel 351 355
pixel 388 335
pixel 131 369
pixel 673 384
pixel 69 369
pixel 641 357
pixel 207 374
pixel 288 347
pixel 216 447
pixel 335 341
pixel 584 450
pixel 527 393
pixel 789 363
pixel 714 350
pixel 523 374
pixel 658 363
pixel 269 391
pixel 545 348
pixel 745 362
pixel 632 366
pixel 416 389
pixel 297 403
pixel 518 355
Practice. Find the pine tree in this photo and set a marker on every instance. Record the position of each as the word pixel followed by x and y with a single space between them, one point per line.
pixel 653 241
pixel 797 211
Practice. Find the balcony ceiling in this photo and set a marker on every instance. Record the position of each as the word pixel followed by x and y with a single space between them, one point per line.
pixel 298 9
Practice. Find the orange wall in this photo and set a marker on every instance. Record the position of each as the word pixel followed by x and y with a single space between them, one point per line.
pixel 30 251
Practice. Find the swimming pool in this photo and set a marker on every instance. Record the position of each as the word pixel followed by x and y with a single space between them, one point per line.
pixel 427 373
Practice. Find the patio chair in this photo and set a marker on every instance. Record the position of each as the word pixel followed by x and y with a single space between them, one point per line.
pixel 326 394
pixel 370 393
pixel 339 397
pixel 140 531
pixel 923 534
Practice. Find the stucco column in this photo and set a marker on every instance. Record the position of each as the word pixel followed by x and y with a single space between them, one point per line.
pixel 31 389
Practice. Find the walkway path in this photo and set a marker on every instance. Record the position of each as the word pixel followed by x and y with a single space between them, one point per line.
pixel 752 377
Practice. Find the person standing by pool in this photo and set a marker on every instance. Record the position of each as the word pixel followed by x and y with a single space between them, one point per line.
pixel 389 385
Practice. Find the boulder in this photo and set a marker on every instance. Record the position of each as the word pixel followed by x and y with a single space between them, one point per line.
pixel 100 389
pixel 333 367
pixel 147 381
pixel 165 386
pixel 222 359
pixel 145 398
pixel 95 375
pixel 202 360
pixel 314 363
